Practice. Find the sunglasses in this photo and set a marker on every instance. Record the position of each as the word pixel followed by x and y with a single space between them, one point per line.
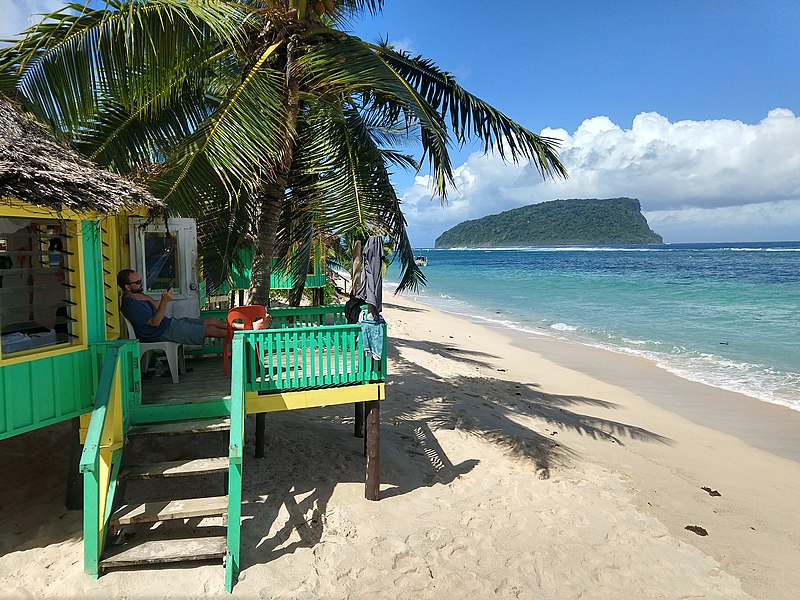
pixel 137 282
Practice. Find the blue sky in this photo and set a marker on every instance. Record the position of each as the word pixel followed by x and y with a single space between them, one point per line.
pixel 690 106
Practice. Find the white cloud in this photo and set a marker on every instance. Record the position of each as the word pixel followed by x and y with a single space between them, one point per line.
pixel 720 179
pixel 18 15
pixel 404 44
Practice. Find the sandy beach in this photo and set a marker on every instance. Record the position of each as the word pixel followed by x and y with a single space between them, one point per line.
pixel 512 467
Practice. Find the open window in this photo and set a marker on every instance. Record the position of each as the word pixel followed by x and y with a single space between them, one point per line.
pixel 36 293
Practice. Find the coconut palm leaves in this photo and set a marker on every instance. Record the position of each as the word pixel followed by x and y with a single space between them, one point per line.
pixel 260 118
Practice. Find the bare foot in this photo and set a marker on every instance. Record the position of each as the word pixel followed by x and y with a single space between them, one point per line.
pixel 262 323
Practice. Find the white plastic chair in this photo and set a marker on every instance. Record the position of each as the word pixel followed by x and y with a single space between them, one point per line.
pixel 173 350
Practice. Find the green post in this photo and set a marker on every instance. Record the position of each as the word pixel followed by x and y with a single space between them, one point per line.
pixel 91 518
pixel 235 463
pixel 93 281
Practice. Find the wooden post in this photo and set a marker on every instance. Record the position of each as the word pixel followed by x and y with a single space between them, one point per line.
pixel 373 444
pixel 74 499
pixel 261 425
pixel 358 426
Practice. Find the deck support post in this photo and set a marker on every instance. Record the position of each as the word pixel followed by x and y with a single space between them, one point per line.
pixel 373 446
pixel 358 425
pixel 261 425
pixel 74 496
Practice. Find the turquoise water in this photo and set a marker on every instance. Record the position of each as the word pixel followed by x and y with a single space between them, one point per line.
pixel 723 314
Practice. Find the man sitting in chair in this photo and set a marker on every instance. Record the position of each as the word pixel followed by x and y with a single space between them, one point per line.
pixel 146 314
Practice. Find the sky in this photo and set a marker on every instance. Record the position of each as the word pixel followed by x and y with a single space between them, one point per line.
pixel 693 107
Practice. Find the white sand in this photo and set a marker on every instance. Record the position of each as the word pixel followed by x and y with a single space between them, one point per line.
pixel 505 475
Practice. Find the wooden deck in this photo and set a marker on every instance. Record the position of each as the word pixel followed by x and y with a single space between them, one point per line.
pixel 203 381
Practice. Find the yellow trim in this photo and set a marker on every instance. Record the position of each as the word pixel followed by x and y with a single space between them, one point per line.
pixel 111 237
pixel 10 207
pixel 256 403
pixel 37 353
pixel 76 280
pixel 110 440
pixel 85 419
pixel 104 478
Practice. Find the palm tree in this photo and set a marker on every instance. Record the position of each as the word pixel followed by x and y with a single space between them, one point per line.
pixel 265 120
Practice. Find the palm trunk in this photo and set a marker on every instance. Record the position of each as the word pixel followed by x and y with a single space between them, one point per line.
pixel 270 205
pixel 272 196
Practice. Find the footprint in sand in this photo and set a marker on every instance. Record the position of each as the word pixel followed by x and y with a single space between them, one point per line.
pixel 470 518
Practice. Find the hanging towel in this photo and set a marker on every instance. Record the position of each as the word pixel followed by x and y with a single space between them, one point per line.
pixel 352 310
pixel 371 288
pixel 372 334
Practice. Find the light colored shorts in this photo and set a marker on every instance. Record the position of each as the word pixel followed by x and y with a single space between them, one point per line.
pixel 186 330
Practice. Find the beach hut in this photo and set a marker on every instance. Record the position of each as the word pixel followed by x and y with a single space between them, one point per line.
pixel 66 229
pixel 59 248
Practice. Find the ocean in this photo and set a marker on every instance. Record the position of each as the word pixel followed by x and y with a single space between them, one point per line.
pixel 727 315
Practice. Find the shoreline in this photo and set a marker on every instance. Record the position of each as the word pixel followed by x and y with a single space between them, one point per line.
pixel 567 336
pixel 627 416
pixel 768 426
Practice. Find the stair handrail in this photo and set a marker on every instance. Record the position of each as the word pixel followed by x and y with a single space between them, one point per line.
pixel 235 452
pixel 102 450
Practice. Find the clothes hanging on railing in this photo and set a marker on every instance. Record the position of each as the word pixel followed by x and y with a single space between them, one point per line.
pixel 371 288
pixel 372 333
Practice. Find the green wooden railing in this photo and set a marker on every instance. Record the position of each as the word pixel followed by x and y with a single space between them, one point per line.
pixel 307 316
pixel 116 369
pixel 308 357
pixel 282 317
pixel 291 358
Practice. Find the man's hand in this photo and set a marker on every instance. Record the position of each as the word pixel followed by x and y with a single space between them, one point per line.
pixel 161 307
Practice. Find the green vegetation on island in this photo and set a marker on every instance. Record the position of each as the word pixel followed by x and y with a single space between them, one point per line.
pixel 556 223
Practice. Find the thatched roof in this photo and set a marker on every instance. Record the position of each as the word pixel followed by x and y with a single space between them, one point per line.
pixel 36 169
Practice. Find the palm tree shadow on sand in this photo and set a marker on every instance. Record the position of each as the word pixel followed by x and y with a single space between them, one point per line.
pixel 310 452
pixel 485 407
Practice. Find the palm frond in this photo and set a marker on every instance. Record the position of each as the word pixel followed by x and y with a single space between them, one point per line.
pixel 78 55
pixel 346 66
pixel 472 117
pixel 235 146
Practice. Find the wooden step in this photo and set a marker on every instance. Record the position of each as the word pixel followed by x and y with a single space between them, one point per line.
pixel 167 510
pixel 175 468
pixel 177 427
pixel 166 551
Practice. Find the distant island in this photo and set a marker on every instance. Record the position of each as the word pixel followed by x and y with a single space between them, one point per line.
pixel 556 223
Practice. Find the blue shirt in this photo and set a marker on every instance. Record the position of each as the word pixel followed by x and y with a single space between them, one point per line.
pixel 139 312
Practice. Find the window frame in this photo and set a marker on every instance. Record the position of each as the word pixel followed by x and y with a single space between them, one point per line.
pixel 73 224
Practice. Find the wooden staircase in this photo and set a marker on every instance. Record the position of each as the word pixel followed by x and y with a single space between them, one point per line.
pixel 157 526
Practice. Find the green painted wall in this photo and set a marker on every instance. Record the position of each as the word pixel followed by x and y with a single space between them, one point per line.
pixel 278 281
pixel 44 391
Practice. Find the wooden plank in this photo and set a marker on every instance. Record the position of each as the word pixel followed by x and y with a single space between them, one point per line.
pixel 166 551
pixel 277 401
pixel 176 468
pixel 373 445
pixel 167 510
pixel 151 413
pixel 178 427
